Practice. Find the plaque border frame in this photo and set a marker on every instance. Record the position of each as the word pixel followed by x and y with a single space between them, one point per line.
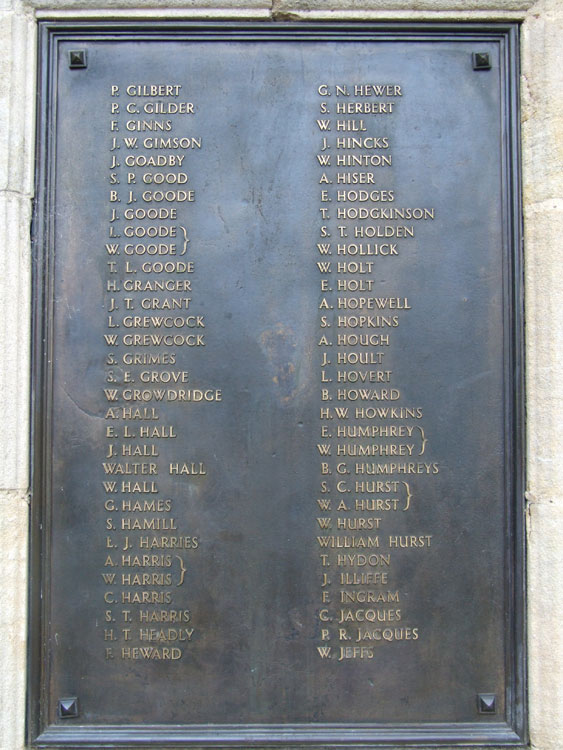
pixel 491 735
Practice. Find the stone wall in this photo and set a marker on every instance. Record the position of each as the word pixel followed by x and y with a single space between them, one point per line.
pixel 542 156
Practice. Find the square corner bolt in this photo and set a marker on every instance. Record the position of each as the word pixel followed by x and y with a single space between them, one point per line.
pixel 487 703
pixel 481 61
pixel 68 708
pixel 77 59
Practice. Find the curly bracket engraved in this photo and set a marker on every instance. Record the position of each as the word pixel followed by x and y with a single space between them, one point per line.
pixel 424 440
pixel 186 240
pixel 409 495
pixel 182 570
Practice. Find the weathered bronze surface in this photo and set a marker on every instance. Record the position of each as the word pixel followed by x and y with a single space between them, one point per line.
pixel 277 464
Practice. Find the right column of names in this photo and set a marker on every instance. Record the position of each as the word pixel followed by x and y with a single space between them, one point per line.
pixel 372 440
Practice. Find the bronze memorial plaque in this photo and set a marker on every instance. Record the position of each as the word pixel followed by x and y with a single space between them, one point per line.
pixel 277 381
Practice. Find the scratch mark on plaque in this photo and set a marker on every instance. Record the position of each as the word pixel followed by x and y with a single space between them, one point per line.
pixel 279 346
pixel 256 201
pixel 71 311
pixel 296 621
pixel 81 408
pixel 234 537
pixel 223 220
pixel 259 206
pixel 466 382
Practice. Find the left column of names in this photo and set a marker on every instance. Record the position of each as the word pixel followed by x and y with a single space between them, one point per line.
pixel 154 339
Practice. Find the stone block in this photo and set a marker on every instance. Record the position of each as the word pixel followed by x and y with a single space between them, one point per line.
pixel 17 100
pixel 545 614
pixel 390 6
pixel 13 617
pixel 544 343
pixel 15 215
pixel 187 5
pixel 542 103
